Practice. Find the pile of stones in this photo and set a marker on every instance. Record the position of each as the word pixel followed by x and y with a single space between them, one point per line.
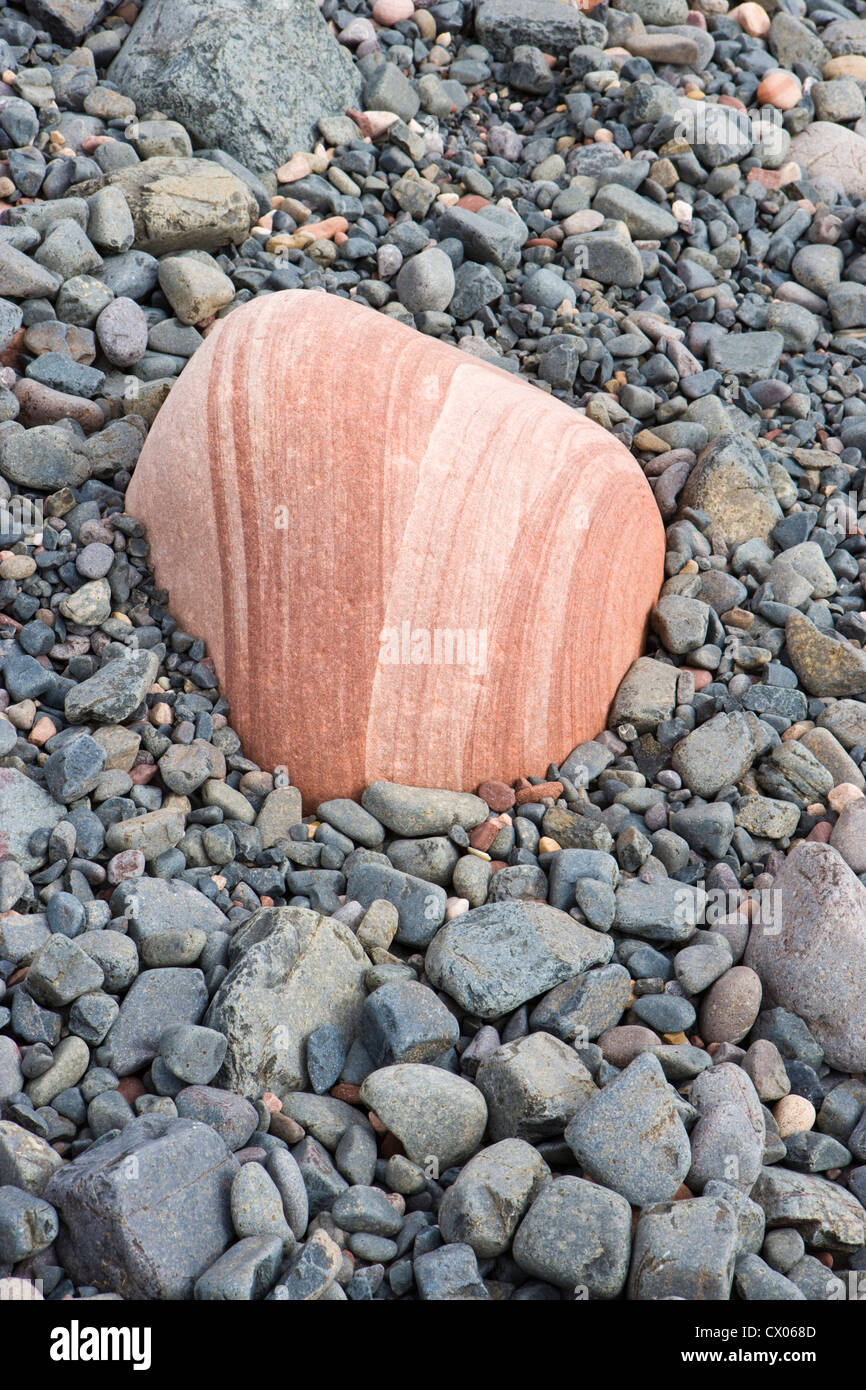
pixel 511 1044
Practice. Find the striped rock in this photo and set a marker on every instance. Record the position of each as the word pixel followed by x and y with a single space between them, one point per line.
pixel 407 564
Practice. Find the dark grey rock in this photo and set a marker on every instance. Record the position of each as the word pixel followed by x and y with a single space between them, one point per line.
pixel 146 1213
pixel 405 1022
pixel 158 1000
pixel 243 1273
pixel 684 1250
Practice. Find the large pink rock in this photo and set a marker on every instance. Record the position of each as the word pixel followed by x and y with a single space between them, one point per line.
pixel 407 563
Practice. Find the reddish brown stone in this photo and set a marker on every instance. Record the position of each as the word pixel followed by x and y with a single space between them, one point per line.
pixel 344 489
pixel 483 835
pixel 343 1091
pixel 285 1128
pixel 391 1147
pixel 540 792
pixel 498 795
pixel 131 1087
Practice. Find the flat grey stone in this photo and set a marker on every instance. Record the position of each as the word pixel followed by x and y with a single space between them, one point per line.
pixel 494 958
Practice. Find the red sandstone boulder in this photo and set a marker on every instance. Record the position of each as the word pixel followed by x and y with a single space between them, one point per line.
pixel 406 563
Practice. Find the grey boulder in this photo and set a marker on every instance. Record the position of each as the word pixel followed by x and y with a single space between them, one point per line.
pixel 145 1214
pixel 251 79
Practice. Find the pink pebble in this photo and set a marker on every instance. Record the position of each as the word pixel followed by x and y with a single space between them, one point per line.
pixel 696 19
pixel 701 678
pixel 388 12
pixel 128 864
pixel 820 832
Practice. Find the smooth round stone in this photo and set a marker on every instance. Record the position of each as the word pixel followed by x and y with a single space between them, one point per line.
pixel 426 281
pixel 666 1013
pixel 430 483
pixel 826 151
pixel 730 1006
pixel 794 1115
pixel 390 12
pixel 95 560
pixel 122 332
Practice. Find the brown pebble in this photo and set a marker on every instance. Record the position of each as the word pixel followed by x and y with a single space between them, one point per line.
pixel 498 795
pixel 343 1091
pixel 131 1087
pixel 539 793
pixel 285 1128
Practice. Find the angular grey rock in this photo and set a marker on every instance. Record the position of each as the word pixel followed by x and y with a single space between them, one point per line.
pixel 150 905
pixel 684 1250
pixel 115 691
pixel 716 754
pixel 503 25
pixel 496 957
pixel 25 808
pixel 313 1270
pixel 406 1022
pixel 245 1272
pixel 827 1216
pixel 26 1161
pixel 294 972
pixel 60 971
pixel 755 1281
pixel 180 204
pixel 45 457
pixel 577 1235
pixel 420 904
pixel 811 954
pixel 647 694
pixel 158 1000
pixel 28 1224
pixel 193 1054
pixel 533 1087
pixel 630 1137
pixel 746 354
pixel 487 1201
pixel 585 1006
pixel 252 81
pixel 663 910
pixel 68 21
pixel 145 1214
pixel 433 1113
pixel 448 1274
pixel 731 483
pixel 825 667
